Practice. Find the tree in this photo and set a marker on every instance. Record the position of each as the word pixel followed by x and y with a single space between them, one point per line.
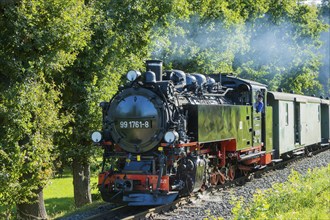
pixel 270 41
pixel 210 37
pixel 121 35
pixel 284 44
pixel 38 40
pixel 29 113
pixel 324 76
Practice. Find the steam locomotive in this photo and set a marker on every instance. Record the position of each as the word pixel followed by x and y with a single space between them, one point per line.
pixel 167 134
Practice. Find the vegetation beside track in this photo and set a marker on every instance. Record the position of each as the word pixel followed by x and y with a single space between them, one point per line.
pixel 301 197
pixel 59 197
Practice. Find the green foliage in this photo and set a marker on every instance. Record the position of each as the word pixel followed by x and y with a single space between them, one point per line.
pixel 29 113
pixel 38 40
pixel 284 45
pixel 206 41
pixel 41 35
pixel 324 76
pixel 267 41
pixel 302 197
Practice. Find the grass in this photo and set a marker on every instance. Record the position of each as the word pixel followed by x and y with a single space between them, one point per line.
pixel 301 197
pixel 58 195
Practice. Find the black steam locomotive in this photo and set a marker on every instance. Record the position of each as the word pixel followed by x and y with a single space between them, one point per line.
pixel 167 134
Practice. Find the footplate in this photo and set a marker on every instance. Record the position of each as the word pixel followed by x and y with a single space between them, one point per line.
pixel 144 199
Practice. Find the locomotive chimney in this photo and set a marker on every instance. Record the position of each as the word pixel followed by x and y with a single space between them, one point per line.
pixel 155 66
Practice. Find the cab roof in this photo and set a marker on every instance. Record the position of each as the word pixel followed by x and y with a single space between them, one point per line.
pixel 232 81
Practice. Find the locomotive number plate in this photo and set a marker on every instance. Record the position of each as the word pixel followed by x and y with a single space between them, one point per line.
pixel 135 124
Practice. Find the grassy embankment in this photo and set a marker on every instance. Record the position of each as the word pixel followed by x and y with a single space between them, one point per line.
pixel 58 195
pixel 301 197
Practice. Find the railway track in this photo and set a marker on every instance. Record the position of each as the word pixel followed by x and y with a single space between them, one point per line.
pixel 120 212
pixel 128 212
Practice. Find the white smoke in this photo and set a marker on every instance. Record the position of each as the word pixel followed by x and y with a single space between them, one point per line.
pixel 211 46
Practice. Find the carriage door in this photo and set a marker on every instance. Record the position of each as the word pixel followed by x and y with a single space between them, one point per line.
pixel 257 118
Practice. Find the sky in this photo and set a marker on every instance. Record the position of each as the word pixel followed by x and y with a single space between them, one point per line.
pixel 313 1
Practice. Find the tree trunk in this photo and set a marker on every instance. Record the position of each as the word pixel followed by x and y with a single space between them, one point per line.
pixel 35 210
pixel 81 183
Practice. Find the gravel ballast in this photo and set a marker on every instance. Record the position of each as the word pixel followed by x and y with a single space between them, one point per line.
pixel 217 203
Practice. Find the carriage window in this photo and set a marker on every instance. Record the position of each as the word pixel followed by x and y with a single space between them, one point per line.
pixel 319 113
pixel 286 114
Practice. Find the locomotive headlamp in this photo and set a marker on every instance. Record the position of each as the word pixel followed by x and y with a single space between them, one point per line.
pixel 171 136
pixel 96 136
pixel 133 75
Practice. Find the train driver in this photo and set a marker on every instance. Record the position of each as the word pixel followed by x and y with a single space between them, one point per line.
pixel 259 105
